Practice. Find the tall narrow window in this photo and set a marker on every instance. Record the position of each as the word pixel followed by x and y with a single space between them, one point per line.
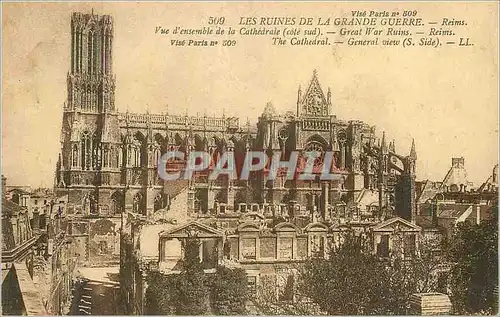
pixel 95 55
pixel 75 156
pixel 119 157
pixel 383 246
pixel 77 50
pixel 86 151
pixel 129 155
pixel 137 156
pixel 137 204
pixel 93 204
pixel 83 153
pixel 87 98
pixel 159 202
pixel 105 156
pixel 156 157
pixel 96 153
pixel 80 49
pixel 117 203
pixel 90 52
pixel 73 49
pixel 110 56
pixel 84 97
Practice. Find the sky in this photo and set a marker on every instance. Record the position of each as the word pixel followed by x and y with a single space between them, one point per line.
pixel 445 98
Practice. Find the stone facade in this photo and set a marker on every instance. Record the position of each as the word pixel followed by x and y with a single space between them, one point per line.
pixel 107 172
pixel 108 159
pixel 443 205
pixel 19 295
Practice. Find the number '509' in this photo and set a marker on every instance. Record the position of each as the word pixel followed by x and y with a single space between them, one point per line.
pixel 229 43
pixel 216 20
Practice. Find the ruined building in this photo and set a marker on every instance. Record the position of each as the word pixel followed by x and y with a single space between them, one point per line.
pixel 107 171
pixel 20 296
pixel 443 205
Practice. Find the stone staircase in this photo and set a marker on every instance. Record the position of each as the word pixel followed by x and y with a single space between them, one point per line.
pixel 85 302
pixel 97 298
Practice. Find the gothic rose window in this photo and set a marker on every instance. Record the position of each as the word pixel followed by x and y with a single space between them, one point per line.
pixel 314 104
pixel 283 133
pixel 314 146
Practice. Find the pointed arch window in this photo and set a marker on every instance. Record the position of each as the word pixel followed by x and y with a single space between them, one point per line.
pixel 129 154
pixel 319 148
pixel 105 156
pixel 137 204
pixel 137 156
pixel 95 53
pixel 137 149
pixel 117 203
pixel 119 156
pixel 90 51
pixel 113 156
pixel 156 156
pixel 86 150
pixel 74 157
pixel 160 201
pixel 96 153
pixel 93 204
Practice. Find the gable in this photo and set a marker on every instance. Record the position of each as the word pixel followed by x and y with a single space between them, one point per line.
pixel 248 227
pixel 192 229
pixel 316 227
pixel 396 224
pixel 252 216
pixel 314 101
pixel 286 227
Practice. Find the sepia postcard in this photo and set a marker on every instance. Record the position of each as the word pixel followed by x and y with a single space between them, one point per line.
pixel 250 158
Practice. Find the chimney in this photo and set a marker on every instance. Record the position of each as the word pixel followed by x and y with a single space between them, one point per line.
pixel 4 185
pixel 458 162
pixel 435 211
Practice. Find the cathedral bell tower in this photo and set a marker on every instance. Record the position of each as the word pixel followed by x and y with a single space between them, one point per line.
pixel 90 136
pixel 91 85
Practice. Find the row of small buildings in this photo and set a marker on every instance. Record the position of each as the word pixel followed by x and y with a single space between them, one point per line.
pixel 271 249
pixel 41 244
pixel 37 255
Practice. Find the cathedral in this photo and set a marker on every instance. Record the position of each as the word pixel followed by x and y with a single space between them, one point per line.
pixel 107 172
